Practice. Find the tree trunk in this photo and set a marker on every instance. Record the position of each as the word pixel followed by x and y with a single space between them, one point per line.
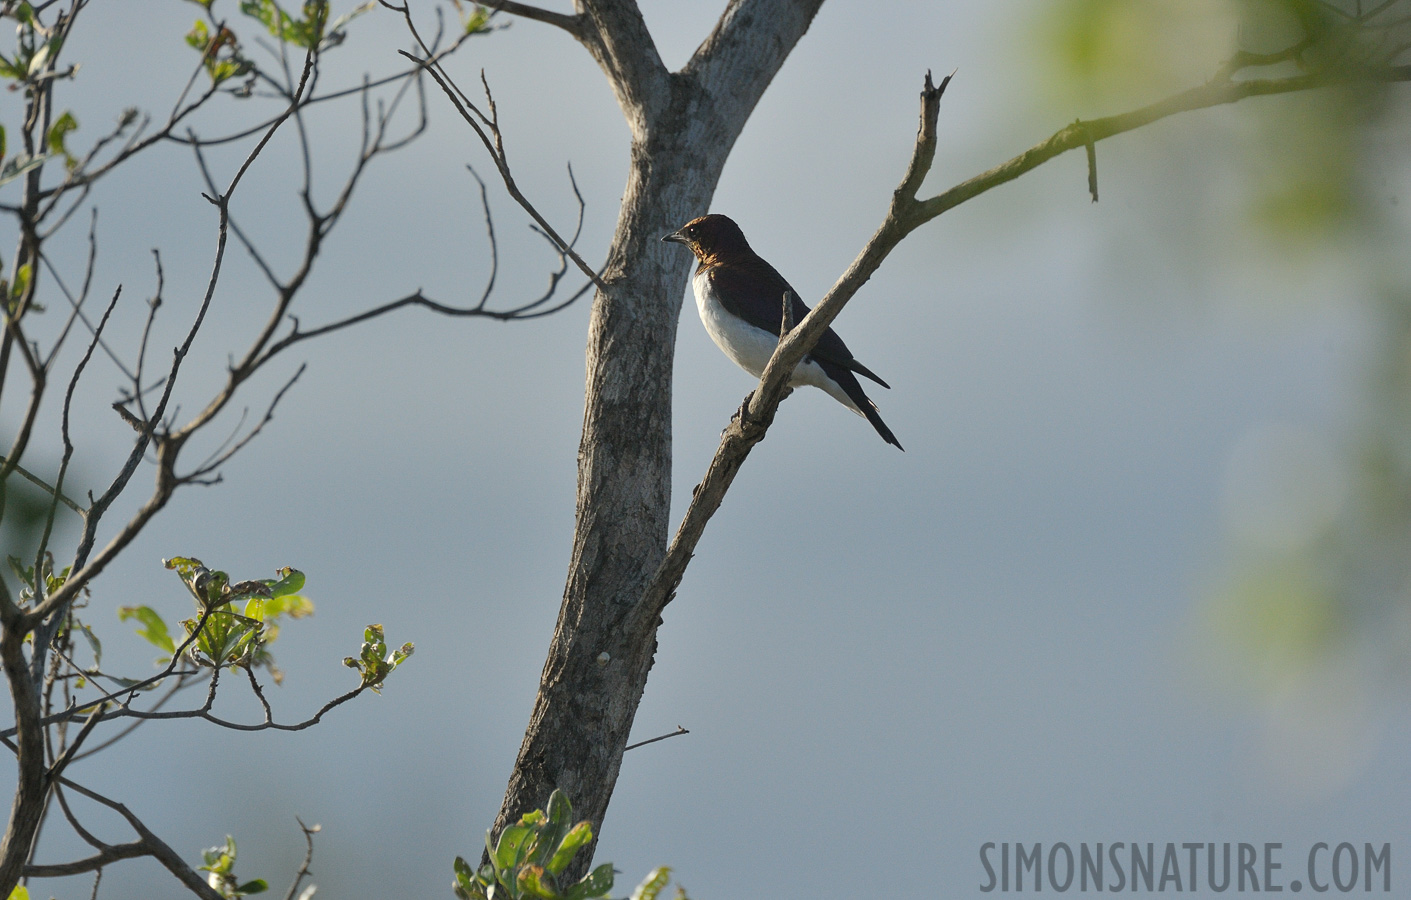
pixel 684 126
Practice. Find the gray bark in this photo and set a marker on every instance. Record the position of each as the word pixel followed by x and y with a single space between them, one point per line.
pixel 684 125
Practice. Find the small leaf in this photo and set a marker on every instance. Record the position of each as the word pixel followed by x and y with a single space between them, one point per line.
pixel 153 630
pixel 10 69
pixel 597 884
pixel 560 810
pixel 24 573
pixel 58 133
pixel 578 837
pixel 199 37
pixel 533 880
pixel 19 893
pixel 185 566
pixel 653 884
pixel 509 848
pixel 253 886
pixel 17 291
pixel 37 61
pixel 18 166
pixel 227 639
pixel 465 884
pixel 291 581
pixel 93 643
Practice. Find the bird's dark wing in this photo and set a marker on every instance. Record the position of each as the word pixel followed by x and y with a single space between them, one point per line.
pixel 754 291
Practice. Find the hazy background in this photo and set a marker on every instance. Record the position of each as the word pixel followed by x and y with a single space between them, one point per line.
pixel 1111 592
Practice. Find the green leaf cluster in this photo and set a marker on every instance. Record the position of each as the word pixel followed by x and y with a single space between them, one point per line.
pixel 310 30
pixel 220 52
pixel 227 637
pixel 36 47
pixel 220 862
pixel 476 20
pixel 373 661
pixel 26 576
pixel 527 860
pixel 305 31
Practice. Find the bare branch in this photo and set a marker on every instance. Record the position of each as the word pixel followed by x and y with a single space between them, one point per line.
pixel 153 845
pixel 44 486
pixel 493 140
pixel 573 24
pixel 1079 134
pixel 107 856
pixel 661 737
pixel 299 876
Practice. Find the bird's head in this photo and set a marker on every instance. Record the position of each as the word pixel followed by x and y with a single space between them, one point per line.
pixel 710 236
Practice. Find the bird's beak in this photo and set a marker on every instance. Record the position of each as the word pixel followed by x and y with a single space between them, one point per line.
pixel 675 237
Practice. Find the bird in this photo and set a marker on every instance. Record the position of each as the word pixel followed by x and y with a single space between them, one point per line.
pixel 740 299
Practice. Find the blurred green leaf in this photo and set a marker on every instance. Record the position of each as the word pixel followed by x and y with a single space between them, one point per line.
pixel 18 166
pixel 535 882
pixel 597 884
pixel 291 581
pixel 65 125
pixel 185 566
pixel 21 282
pixel 507 851
pixel 465 883
pixel 653 884
pixel 95 645
pixel 221 859
pixel 153 630
pixel 306 32
pixel 46 52
pixel 578 837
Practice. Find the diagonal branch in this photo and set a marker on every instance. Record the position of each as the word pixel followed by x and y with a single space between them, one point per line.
pixel 618 39
pixel 573 24
pixel 905 215
pixel 1218 92
pixel 152 844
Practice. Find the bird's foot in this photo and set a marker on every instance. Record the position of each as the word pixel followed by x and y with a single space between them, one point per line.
pixel 740 413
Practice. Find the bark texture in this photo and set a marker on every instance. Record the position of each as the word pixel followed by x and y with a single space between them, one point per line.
pixel 684 125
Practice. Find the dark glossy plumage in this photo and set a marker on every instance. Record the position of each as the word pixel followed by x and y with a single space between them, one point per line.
pixel 751 290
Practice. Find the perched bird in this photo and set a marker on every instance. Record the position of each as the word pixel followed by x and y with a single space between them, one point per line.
pixel 740 299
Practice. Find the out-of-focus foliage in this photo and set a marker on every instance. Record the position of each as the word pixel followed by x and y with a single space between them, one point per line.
pixel 530 857
pixel 1320 534
pixel 1316 587
pixel 220 863
pixel 1301 176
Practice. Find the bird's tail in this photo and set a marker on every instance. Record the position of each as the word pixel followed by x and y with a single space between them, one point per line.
pixel 860 401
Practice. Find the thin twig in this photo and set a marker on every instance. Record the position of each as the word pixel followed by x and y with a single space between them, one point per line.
pixel 661 737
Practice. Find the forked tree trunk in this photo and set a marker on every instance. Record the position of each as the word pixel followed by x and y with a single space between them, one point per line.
pixel 684 125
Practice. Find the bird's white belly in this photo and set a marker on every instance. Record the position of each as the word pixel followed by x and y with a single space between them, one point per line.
pixel 750 348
